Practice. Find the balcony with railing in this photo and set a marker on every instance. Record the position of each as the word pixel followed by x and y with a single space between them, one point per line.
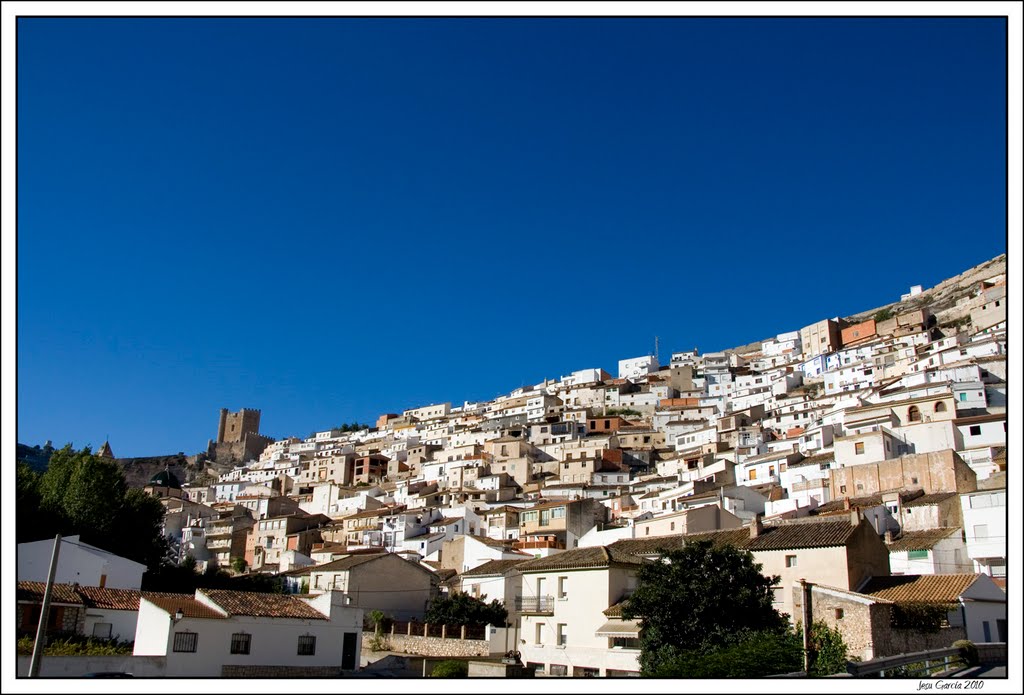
pixel 535 605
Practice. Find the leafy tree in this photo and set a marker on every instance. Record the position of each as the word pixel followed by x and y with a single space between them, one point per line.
pixel 701 599
pixel 94 497
pixel 463 609
pixel 828 650
pixel 238 564
pixel 883 315
pixel 755 655
pixel 32 523
pixel 451 668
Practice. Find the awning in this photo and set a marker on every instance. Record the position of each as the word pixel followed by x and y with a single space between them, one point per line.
pixel 619 628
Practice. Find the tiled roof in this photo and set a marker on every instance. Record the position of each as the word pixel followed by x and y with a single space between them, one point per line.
pixel 61 593
pixel 615 610
pixel 492 568
pixel 344 563
pixel 867 501
pixel 931 498
pixel 923 588
pixel 187 605
pixel 263 605
pixel 120 599
pixel 823 534
pixel 921 540
pixel 815 460
pixel 582 558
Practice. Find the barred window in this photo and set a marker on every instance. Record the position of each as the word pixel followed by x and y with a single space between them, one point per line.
pixel 307 645
pixel 185 641
pixel 240 643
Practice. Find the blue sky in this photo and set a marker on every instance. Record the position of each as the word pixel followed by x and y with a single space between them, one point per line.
pixel 333 218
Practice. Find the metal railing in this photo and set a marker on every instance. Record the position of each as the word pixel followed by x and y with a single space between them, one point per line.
pixel 915 664
pixel 535 604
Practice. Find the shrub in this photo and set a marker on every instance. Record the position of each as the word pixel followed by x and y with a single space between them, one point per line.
pixel 451 668
pixel 756 655
pixel 78 645
pixel 968 651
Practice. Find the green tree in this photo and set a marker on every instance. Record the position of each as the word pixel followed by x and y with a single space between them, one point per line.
pixel 754 655
pixel 883 315
pixel 451 668
pixel 94 497
pixel 463 609
pixel 828 650
pixel 700 599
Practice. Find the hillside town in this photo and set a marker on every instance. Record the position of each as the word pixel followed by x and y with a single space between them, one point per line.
pixel 861 462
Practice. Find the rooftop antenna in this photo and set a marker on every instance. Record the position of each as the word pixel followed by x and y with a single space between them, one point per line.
pixel 656 358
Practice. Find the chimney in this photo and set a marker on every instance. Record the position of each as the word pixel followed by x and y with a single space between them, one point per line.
pixel 888 537
pixel 854 517
pixel 846 504
pixel 756 527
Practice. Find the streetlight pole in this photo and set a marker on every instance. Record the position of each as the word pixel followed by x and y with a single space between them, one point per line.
pixel 44 613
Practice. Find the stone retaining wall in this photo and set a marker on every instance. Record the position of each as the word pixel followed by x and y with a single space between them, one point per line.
pixel 430 646
pixel 228 671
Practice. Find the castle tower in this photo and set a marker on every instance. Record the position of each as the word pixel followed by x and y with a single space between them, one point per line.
pixel 220 425
pixel 105 451
pixel 234 426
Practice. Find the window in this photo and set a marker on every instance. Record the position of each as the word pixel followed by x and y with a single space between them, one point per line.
pixel 558 670
pixel 538 636
pixel 791 561
pixel 672 526
pixel 839 613
pixel 185 641
pixel 623 643
pixel 963 397
pixel 752 475
pixel 307 645
pixel 240 642
pixel 981 532
pixel 563 637
pixel 842 489
pixel 914 414
pixel 102 630
pixel 940 407
pixel 975 430
pixel 858 448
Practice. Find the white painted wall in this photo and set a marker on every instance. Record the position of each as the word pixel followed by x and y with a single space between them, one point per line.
pixel 78 562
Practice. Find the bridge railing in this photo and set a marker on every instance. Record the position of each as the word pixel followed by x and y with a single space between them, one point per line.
pixel 922 663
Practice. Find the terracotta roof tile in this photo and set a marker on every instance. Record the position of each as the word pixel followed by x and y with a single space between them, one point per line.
pixel 931 498
pixel 188 605
pixel 583 558
pixel 818 534
pixel 62 593
pixel 493 568
pixel 263 605
pixel 924 588
pixel 922 540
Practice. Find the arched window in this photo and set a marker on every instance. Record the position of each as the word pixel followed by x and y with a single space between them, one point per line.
pixel 913 414
pixel 940 407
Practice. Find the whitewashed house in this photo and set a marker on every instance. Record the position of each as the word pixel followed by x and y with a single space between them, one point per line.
pixel 78 562
pixel 220 633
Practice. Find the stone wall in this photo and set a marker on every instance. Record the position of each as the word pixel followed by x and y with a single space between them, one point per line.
pixel 430 646
pixel 138 471
pixel 235 671
pixel 866 625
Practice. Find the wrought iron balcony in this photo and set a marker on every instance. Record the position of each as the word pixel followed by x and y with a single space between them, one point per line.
pixel 535 605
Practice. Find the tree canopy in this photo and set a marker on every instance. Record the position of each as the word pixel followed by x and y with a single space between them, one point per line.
pixel 701 599
pixel 81 493
pixel 463 609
